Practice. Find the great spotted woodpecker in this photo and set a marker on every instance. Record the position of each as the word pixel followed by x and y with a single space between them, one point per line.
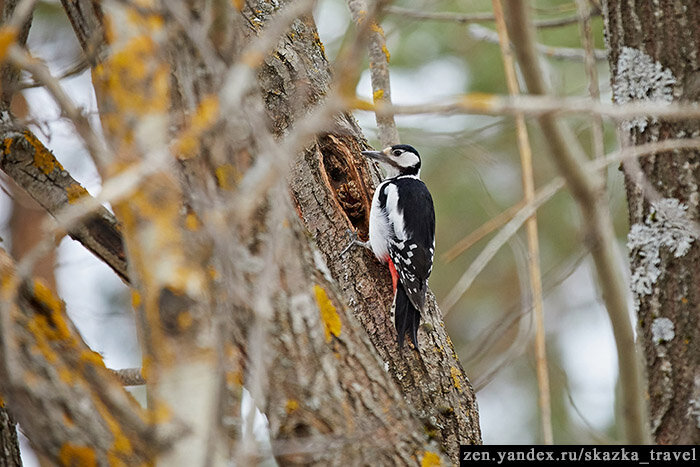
pixel 402 233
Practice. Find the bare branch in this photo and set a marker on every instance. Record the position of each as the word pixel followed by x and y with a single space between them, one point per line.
pixel 77 68
pixel 129 376
pixel 95 145
pixel 495 222
pixel 33 167
pixel 378 67
pixel 584 10
pixel 562 53
pixel 476 17
pixel 501 238
pixel 72 407
pixel 537 106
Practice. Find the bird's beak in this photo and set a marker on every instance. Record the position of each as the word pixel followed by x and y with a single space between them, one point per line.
pixel 376 155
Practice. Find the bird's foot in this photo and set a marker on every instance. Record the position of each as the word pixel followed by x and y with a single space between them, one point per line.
pixel 354 241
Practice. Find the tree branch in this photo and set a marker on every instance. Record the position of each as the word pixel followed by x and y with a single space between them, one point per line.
pixel 563 53
pixel 378 66
pixel 73 409
pixel 536 106
pixel 477 17
pixel 129 376
pixel 33 167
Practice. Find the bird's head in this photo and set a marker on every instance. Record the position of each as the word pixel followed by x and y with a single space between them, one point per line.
pixel 400 159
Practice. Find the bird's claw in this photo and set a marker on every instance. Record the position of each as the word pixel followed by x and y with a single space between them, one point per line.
pixel 354 240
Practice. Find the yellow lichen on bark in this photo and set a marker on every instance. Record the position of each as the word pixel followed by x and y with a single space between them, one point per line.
pixel 385 49
pixel 136 81
pixel 191 222
pixel 74 192
pixel 135 299
pixel 291 405
pixel 43 159
pixel 8 36
pixel 455 373
pixel 205 116
pixel 88 356
pixel 329 315
pixel 121 446
pixel 430 459
pixel 76 455
pixel 6 146
pixel 46 297
pixel 132 84
pixel 227 176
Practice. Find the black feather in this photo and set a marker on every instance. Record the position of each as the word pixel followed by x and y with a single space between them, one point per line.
pixel 406 318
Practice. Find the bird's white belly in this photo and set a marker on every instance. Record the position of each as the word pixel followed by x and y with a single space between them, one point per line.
pixel 379 229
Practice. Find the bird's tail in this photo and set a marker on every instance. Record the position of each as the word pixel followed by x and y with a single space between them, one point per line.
pixel 406 318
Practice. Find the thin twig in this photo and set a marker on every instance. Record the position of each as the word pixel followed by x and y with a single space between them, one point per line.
pixel 441 16
pixel 378 68
pixel 534 272
pixel 40 72
pixel 537 105
pixel 584 15
pixel 485 34
pixel 75 69
pixel 129 376
pixel 475 17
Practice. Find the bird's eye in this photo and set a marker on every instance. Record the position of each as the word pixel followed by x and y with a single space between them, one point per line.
pixel 396 152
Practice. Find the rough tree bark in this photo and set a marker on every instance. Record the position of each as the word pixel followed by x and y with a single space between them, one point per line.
pixel 654 54
pixel 9 445
pixel 231 287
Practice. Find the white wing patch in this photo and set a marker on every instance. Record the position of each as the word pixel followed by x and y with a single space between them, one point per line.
pixel 393 213
pixel 379 227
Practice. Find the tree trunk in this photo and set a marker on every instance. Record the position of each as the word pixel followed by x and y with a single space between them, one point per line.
pixel 654 55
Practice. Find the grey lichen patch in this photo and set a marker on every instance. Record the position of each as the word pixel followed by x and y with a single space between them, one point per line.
pixel 640 78
pixel 666 226
pixel 662 330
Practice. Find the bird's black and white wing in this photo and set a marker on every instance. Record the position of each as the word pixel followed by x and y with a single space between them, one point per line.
pixel 410 212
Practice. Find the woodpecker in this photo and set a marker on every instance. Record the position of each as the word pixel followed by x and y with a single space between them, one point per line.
pixel 402 233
